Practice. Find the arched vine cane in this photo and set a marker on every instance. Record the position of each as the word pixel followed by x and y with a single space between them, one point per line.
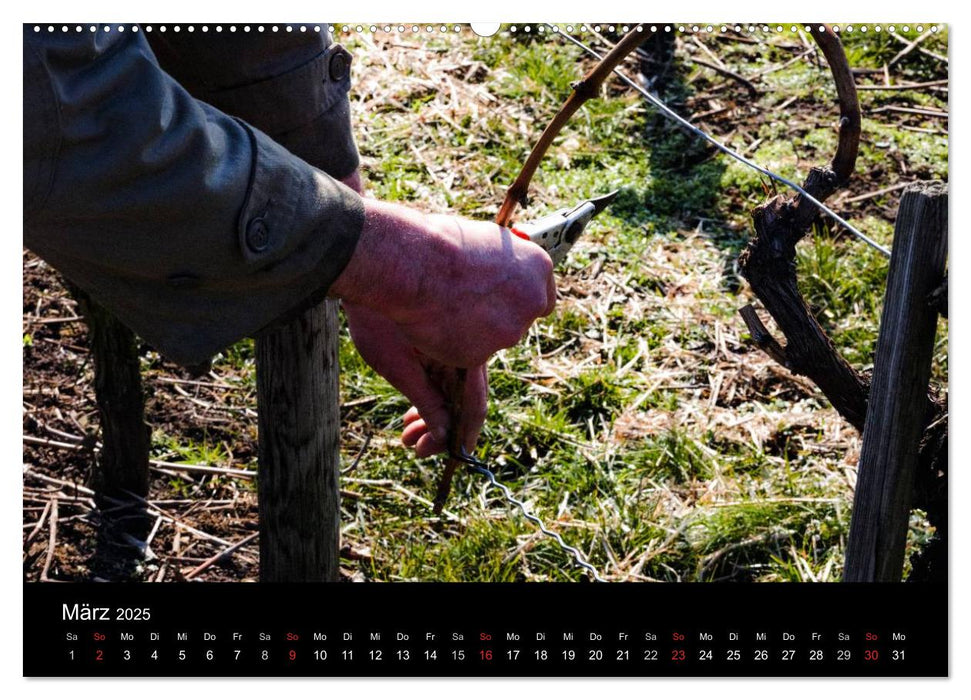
pixel 585 89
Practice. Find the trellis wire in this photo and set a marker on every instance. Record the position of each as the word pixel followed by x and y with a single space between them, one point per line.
pixel 480 467
pixel 671 114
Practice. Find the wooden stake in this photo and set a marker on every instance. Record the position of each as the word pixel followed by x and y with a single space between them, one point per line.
pixel 299 458
pixel 122 464
pixel 898 408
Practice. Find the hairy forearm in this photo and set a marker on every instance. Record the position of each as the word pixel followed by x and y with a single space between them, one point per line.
pixel 396 252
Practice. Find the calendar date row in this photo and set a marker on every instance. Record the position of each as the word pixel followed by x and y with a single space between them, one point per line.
pixel 538 655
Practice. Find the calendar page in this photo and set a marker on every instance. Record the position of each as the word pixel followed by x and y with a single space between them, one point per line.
pixel 605 348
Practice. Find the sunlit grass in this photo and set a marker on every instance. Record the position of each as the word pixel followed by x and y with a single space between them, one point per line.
pixel 636 421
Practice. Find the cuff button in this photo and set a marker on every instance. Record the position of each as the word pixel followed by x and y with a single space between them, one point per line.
pixel 339 64
pixel 257 235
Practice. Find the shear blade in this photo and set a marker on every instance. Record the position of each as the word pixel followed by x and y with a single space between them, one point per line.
pixel 601 203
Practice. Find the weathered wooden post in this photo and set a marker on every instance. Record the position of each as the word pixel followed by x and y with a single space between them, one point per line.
pixel 122 465
pixel 897 413
pixel 297 388
pixel 299 421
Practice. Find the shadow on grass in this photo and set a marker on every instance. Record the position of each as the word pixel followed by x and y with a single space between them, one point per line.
pixel 684 191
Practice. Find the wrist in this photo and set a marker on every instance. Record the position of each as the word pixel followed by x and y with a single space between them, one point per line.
pixel 398 250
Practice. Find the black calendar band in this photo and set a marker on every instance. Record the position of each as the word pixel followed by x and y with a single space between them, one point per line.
pixel 485 630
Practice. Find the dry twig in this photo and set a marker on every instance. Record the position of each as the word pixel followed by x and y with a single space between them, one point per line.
pixel 51 542
pixel 216 557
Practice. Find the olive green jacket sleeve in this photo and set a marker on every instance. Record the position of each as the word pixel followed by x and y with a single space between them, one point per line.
pixel 290 85
pixel 193 227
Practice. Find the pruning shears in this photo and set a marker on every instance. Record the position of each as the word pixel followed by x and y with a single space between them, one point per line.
pixel 557 232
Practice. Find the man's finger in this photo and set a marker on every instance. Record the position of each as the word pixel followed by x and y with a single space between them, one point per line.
pixel 429 403
pixel 413 432
pixel 411 415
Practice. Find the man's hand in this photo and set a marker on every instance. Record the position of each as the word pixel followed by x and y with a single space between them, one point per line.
pixel 426 294
pixel 458 290
pixel 427 384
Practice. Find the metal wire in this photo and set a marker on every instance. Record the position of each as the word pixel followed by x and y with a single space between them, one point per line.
pixel 668 112
pixel 480 467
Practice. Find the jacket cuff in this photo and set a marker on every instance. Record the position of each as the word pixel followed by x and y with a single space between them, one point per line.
pixel 295 233
pixel 274 222
pixel 297 228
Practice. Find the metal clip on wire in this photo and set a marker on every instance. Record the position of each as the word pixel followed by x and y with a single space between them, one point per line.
pixel 480 467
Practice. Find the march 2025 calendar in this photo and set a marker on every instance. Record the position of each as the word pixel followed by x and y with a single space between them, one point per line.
pixel 442 349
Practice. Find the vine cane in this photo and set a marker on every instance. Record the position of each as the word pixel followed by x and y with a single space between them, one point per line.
pixel 585 89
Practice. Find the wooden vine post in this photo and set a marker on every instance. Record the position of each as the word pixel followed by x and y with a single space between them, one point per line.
pixel 299 457
pixel 121 467
pixel 898 412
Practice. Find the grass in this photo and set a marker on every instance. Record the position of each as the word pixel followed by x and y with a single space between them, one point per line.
pixel 637 421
